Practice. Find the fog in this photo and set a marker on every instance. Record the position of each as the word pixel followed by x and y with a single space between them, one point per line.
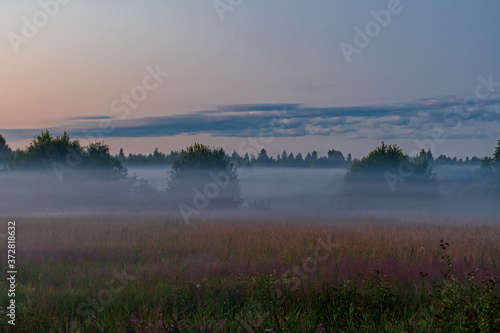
pixel 271 184
pixel 265 192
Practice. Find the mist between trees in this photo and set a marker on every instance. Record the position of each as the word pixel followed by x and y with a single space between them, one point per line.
pixel 59 175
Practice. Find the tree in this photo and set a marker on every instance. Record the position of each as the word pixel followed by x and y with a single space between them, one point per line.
pixel 299 160
pixel 61 155
pixel 422 154
pixel 488 175
pixel 429 156
pixel 336 158
pixel 496 165
pixel 263 158
pixel 98 160
pixel 44 151
pixel 59 172
pixel 246 160
pixel 4 149
pixel 307 159
pixel 284 157
pixel 387 174
pixel 204 178
pixel 314 158
pixel 121 156
pixel 158 157
pixel 349 159
pixel 496 155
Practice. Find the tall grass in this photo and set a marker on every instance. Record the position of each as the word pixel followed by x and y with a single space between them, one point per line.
pixel 221 276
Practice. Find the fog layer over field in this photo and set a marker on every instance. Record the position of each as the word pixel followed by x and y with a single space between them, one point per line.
pixel 267 192
pixel 276 185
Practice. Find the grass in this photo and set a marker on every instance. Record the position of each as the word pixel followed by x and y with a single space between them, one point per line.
pixel 151 274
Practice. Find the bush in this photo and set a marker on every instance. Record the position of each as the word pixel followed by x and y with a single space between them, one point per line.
pixel 205 178
pixel 65 156
pixel 386 175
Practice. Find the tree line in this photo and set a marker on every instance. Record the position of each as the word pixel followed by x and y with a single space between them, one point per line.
pixel 60 154
pixel 333 159
pixel 201 176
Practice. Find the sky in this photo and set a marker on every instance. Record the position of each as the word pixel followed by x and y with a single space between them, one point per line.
pixel 253 74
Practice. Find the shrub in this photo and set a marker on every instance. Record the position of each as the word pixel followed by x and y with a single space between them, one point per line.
pixel 387 174
pixel 206 174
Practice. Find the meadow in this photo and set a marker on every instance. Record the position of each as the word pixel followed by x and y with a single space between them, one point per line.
pixel 157 274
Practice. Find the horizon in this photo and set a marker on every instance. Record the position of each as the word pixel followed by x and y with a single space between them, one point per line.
pixel 252 150
pixel 344 76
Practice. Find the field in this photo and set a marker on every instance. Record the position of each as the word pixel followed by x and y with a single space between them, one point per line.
pixel 153 274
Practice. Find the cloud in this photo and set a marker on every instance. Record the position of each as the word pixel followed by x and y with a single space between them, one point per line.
pixel 415 119
pixel 90 118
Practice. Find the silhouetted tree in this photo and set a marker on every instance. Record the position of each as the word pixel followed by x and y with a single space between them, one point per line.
pixel 121 156
pixel 204 178
pixel 388 173
pixel 429 156
pixel 4 149
pixel 61 155
pixel 263 158
pixel 246 159
pixel 235 157
pixel 158 157
pixel 489 173
pixel 336 158
pixel 98 160
pixel 58 173
pixel 284 157
pixel 308 158
pixel 44 151
pixel 314 159
pixel 496 154
pixel 299 160
pixel 349 159
pixel 422 154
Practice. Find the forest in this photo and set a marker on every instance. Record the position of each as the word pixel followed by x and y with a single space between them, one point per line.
pixel 334 158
